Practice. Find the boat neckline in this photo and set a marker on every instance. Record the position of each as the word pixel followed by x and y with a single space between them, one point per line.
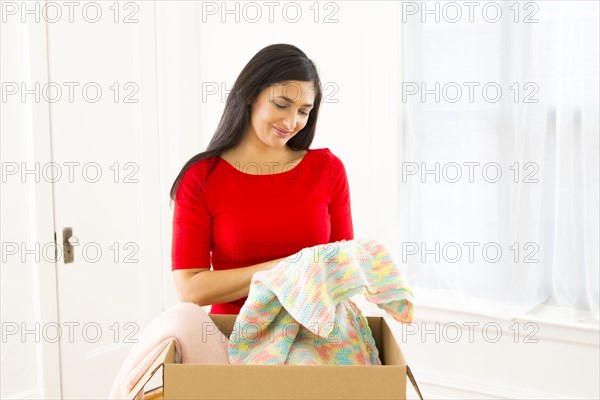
pixel 267 175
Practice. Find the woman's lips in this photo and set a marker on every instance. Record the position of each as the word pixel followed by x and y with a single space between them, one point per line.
pixel 281 133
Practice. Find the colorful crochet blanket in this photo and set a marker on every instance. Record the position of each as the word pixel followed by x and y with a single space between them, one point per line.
pixel 300 312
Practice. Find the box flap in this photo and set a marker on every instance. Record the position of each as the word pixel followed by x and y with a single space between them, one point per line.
pixel 393 354
pixel 413 381
pixel 166 356
pixel 225 322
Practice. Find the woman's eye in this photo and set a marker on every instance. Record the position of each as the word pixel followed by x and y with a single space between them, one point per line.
pixel 280 106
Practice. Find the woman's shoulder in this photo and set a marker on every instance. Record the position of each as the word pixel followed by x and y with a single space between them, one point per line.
pixel 325 155
pixel 197 174
pixel 324 152
pixel 201 168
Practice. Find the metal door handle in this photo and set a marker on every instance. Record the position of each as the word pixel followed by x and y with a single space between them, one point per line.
pixel 69 241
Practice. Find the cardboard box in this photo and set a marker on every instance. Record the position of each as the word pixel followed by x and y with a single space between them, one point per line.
pixel 203 381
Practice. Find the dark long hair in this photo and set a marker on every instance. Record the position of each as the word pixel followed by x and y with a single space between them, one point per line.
pixel 273 64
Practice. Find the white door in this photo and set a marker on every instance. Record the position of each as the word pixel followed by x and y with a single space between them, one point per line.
pixel 29 352
pixel 104 141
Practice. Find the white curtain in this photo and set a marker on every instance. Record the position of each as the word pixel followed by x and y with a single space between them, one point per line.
pixel 540 133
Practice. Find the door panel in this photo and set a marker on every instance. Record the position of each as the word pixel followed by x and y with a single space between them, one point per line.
pixel 105 144
pixel 29 351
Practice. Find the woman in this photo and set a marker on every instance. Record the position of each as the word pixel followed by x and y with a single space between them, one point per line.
pixel 258 193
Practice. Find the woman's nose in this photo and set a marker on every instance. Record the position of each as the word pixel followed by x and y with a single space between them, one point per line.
pixel 290 122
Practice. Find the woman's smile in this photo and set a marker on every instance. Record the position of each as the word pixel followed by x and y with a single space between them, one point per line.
pixel 281 133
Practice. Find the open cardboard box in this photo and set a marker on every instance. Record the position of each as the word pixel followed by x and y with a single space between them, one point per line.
pixel 205 381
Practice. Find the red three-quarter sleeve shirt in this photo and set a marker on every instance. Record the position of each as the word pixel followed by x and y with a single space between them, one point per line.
pixel 225 218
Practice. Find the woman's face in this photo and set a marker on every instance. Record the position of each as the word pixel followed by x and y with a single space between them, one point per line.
pixel 281 111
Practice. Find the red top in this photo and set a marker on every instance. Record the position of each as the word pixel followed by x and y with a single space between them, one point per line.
pixel 231 219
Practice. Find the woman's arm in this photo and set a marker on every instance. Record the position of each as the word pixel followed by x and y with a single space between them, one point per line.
pixel 205 287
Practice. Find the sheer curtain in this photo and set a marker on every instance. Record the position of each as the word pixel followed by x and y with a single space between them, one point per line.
pixel 499 194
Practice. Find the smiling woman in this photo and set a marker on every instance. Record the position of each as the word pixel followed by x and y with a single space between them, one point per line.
pixel 259 193
pixel 279 88
pixel 279 113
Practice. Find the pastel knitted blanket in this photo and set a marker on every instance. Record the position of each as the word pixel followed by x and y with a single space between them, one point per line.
pixel 300 312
